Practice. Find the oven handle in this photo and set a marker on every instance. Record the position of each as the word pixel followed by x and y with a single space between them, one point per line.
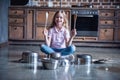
pixel 85 15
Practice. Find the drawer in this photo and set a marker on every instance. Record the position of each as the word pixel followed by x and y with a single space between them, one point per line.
pixel 106 13
pixel 106 34
pixel 106 22
pixel 16 20
pixel 16 12
pixel 16 32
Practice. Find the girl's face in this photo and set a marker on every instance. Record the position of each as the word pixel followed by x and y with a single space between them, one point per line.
pixel 59 20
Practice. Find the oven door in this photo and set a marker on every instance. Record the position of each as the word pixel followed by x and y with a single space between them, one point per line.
pixel 86 25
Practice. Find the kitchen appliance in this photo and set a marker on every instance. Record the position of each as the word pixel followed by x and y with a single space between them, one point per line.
pixel 86 23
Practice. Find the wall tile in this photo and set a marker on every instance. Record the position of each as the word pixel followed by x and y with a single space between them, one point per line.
pixel 96 3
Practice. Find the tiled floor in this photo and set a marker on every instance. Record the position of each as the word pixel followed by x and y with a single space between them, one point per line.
pixel 12 70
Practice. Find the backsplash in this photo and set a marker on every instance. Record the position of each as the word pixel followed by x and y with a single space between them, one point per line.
pixel 75 3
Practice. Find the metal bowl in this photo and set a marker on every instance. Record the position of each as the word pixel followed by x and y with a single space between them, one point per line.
pixel 50 63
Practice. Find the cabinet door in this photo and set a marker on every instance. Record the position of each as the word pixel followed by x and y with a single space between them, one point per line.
pixel 16 33
pixel 117 34
pixel 30 26
pixel 41 17
pixel 39 34
pixel 106 34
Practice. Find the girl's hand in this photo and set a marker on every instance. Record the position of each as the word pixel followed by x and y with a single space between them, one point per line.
pixel 45 32
pixel 73 33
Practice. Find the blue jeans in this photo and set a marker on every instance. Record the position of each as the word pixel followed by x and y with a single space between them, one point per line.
pixel 64 51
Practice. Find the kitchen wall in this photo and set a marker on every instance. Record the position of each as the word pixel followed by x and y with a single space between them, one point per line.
pixel 69 3
pixel 4 21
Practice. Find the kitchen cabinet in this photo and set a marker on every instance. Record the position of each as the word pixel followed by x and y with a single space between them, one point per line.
pixel 16 23
pixel 106 25
pixel 27 24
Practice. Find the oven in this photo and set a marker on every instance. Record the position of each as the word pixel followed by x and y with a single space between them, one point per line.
pixel 86 23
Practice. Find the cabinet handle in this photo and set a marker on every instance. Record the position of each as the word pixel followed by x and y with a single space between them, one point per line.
pixel 15 20
pixel 15 12
pixel 105 22
pixel 15 28
pixel 29 11
pixel 105 30
pixel 106 14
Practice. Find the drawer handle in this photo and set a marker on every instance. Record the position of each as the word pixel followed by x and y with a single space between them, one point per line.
pixel 15 28
pixel 105 22
pixel 15 21
pixel 15 12
pixel 106 14
pixel 105 30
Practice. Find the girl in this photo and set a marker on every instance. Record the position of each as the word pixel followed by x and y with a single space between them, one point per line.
pixel 57 37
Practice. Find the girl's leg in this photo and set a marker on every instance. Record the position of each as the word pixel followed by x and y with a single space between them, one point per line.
pixel 46 49
pixel 69 50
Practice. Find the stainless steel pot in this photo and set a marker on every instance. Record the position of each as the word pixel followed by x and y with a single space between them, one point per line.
pixel 49 63
pixel 33 57
pixel 29 57
pixel 84 59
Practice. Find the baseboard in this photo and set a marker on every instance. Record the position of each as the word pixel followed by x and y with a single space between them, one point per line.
pixel 76 43
pixel 3 44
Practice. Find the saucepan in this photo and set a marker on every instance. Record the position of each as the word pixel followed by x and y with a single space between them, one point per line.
pixel 84 59
pixel 29 57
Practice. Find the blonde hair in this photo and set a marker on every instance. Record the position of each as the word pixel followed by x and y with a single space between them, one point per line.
pixel 65 24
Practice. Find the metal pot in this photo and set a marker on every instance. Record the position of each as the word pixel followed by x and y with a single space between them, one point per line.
pixel 50 63
pixel 33 58
pixel 84 59
pixel 29 57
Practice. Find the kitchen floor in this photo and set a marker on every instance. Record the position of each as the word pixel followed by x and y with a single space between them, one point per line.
pixel 11 69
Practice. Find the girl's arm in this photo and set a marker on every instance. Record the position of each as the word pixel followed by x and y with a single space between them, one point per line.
pixel 47 39
pixel 73 34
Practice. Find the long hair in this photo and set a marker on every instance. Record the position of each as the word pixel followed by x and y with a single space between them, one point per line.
pixel 65 24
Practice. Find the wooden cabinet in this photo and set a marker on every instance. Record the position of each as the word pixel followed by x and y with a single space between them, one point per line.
pixel 27 24
pixel 106 25
pixel 16 23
